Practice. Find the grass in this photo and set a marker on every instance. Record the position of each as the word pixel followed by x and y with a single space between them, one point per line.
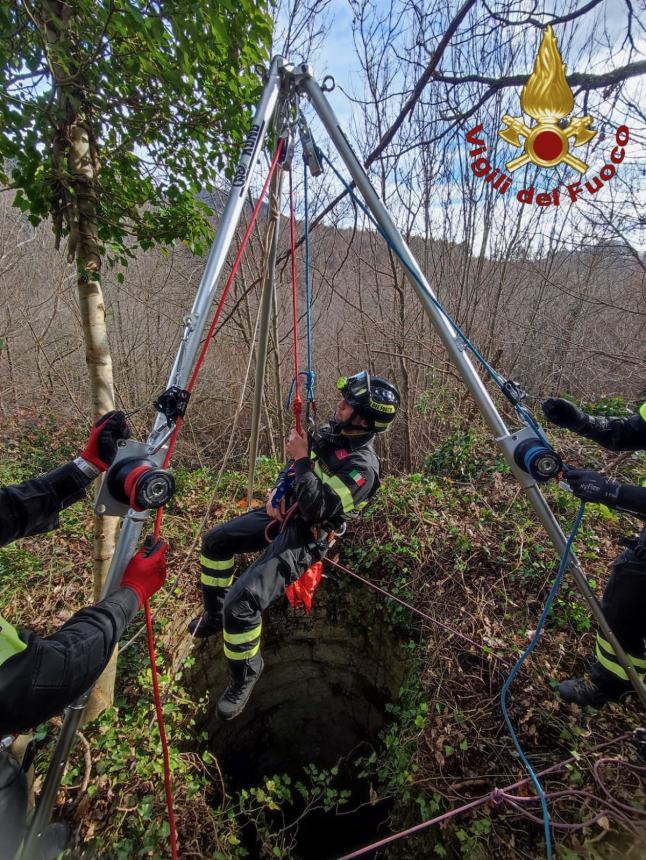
pixel 459 541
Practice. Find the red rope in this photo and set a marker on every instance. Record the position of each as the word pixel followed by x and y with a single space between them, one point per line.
pixel 297 404
pixel 168 789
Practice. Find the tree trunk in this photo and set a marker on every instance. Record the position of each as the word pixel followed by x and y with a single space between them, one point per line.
pixel 99 363
pixel 76 166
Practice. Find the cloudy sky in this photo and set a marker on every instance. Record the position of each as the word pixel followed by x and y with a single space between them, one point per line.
pixel 335 54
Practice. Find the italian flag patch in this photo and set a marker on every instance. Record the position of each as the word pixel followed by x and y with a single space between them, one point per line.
pixel 357 477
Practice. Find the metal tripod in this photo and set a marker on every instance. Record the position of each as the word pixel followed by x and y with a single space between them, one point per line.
pixel 284 85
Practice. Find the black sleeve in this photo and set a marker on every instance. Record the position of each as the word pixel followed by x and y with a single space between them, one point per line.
pixel 53 671
pixel 617 434
pixel 632 499
pixel 324 497
pixel 33 507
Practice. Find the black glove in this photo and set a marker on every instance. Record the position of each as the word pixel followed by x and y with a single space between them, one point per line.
pixel 101 447
pixel 590 486
pixel 565 414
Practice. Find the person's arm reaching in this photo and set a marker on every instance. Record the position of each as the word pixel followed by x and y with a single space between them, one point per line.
pixel 590 486
pixel 615 434
pixel 33 506
pixel 53 671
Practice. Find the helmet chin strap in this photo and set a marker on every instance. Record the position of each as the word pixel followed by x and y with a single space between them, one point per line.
pixel 348 425
pixel 345 429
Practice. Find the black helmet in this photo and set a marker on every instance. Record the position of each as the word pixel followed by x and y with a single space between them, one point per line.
pixel 374 399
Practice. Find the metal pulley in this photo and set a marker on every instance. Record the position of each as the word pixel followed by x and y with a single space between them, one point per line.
pixel 141 484
pixel 135 481
pixel 538 459
pixel 287 152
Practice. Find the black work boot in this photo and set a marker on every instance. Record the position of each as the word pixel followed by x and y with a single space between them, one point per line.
pixel 54 840
pixel 205 625
pixel 243 675
pixel 582 692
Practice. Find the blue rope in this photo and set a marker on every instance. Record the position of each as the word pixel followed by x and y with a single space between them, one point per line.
pixel 309 377
pixel 517 667
pixel 522 411
pixel 525 415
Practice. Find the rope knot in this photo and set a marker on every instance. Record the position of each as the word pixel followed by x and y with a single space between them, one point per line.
pixel 497 796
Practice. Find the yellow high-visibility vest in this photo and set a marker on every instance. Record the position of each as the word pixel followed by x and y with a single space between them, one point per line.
pixel 10 642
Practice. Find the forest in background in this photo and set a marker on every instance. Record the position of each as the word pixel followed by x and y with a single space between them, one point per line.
pixel 569 323
pixel 554 298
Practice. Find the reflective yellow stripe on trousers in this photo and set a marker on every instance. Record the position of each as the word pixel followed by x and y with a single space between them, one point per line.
pixel 240 639
pixel 606 656
pixel 215 564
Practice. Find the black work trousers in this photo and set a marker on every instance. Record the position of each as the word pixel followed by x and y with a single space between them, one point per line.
pixel 13 805
pixel 283 561
pixel 624 605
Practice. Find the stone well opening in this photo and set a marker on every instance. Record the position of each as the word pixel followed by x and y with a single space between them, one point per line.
pixel 327 679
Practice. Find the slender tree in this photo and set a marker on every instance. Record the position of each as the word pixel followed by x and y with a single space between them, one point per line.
pixel 114 115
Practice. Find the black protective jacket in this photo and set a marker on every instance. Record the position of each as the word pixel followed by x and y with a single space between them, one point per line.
pixel 337 479
pixel 621 434
pixel 40 676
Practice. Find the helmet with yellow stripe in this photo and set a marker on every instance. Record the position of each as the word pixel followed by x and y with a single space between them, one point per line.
pixel 374 398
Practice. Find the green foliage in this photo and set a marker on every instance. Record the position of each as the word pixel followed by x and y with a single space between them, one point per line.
pixel 423 528
pixel 607 407
pixel 40 443
pixel 165 89
pixel 471 838
pixel 234 482
pixel 570 610
pixel 455 457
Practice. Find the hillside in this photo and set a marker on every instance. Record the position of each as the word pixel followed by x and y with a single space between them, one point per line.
pixel 409 714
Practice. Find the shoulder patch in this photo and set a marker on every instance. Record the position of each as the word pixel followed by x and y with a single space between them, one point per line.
pixel 358 478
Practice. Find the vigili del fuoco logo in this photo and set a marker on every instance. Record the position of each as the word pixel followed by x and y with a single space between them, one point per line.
pixel 548 99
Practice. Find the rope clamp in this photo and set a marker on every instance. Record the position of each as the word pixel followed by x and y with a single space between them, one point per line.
pixel 460 342
pixel 311 153
pixel 287 152
pixel 173 403
pixel 189 325
pixel 513 392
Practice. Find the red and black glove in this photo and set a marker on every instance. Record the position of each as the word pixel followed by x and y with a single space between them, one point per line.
pixel 101 447
pixel 146 572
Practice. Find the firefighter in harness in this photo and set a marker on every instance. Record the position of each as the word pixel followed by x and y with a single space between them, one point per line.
pixel 40 676
pixel 624 598
pixel 331 474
